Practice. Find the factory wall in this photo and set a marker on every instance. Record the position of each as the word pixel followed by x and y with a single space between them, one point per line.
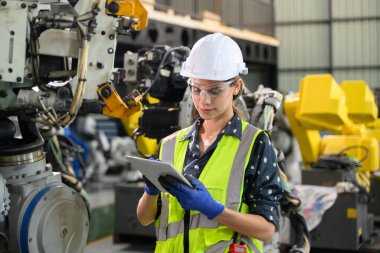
pixel 341 37
pixel 255 15
pixel 259 50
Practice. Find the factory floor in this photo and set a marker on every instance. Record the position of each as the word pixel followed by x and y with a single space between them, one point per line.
pixel 137 245
pixel 146 245
pixel 101 240
pixel 102 199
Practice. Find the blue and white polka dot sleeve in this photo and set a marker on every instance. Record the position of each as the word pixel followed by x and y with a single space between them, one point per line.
pixel 262 188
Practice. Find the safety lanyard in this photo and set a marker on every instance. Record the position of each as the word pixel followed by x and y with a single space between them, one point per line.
pixel 235 238
pixel 186 222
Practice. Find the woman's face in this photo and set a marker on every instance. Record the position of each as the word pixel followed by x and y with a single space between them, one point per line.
pixel 214 99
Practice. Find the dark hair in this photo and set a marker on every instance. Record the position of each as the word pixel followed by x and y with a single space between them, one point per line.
pixel 236 110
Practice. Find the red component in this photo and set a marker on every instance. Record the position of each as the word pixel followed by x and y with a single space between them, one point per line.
pixel 237 248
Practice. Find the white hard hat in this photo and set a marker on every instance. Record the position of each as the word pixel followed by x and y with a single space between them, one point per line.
pixel 214 57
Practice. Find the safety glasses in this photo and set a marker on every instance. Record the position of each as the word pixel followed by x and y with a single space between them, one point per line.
pixel 212 91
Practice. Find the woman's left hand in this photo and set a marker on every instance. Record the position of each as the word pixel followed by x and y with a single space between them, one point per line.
pixel 197 198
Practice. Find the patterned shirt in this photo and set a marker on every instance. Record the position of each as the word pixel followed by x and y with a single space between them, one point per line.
pixel 262 189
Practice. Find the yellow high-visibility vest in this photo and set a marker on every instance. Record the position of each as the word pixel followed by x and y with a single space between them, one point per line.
pixel 223 176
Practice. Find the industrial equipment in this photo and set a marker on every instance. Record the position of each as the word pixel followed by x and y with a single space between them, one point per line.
pixel 167 106
pixel 57 61
pixel 267 103
pixel 323 105
pixel 328 120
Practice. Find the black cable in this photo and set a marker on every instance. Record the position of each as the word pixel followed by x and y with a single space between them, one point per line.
pixel 356 147
pixel 181 48
pixel 336 162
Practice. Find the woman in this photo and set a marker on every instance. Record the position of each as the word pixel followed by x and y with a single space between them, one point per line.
pixel 233 206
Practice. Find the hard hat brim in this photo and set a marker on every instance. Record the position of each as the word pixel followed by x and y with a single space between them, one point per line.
pixel 219 77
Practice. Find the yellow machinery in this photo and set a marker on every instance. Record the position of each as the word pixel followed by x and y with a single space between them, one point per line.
pixel 323 106
pixel 147 147
pixel 373 129
pixel 133 10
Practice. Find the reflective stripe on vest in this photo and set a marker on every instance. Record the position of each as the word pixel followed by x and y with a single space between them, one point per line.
pixel 169 145
pixel 167 230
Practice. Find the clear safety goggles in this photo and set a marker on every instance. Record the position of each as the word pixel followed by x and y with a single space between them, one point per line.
pixel 212 91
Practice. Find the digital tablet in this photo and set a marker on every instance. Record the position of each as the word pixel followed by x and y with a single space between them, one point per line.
pixel 153 169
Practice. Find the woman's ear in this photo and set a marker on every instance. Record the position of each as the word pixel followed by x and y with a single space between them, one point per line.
pixel 238 86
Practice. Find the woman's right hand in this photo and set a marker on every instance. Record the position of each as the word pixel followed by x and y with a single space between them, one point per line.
pixel 149 188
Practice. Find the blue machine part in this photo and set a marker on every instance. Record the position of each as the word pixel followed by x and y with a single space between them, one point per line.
pixel 27 215
pixel 82 143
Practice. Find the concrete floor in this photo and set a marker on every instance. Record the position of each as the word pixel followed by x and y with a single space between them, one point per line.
pixel 135 245
pixel 138 244
pixel 146 245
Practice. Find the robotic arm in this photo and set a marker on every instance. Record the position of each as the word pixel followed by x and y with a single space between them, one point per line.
pixel 68 53
pixel 57 61
pixel 342 110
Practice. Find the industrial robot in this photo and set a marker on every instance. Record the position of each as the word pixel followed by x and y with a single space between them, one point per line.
pixel 329 122
pixel 56 62
pixel 167 104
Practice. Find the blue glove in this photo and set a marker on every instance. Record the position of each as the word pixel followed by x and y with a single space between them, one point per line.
pixel 149 188
pixel 194 199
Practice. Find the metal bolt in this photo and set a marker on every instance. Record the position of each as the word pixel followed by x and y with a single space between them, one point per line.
pixel 110 50
pixel 131 72
pixel 64 231
pixel 12 33
pixel 23 5
pixel 30 239
pixel 86 223
pixel 131 62
pixel 73 192
pixel 45 198
pixel 113 7
pixel 10 70
pixel 106 92
pixel 99 65
pixel 18 79
pixel 111 36
pixel 3 3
